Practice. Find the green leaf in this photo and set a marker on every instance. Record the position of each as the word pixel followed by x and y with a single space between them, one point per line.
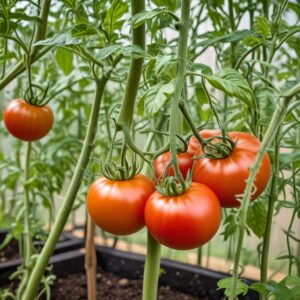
pixel 204 69
pixel 225 283
pixel 265 99
pixel 107 51
pixel 287 289
pixel 170 4
pixel 144 16
pixel 64 59
pixel 289 158
pixel 260 288
pixel 83 29
pixel 234 84
pixel 155 98
pixel 262 27
pixel 113 15
pixel 257 218
pixel 223 38
pixel 61 39
pixel 165 67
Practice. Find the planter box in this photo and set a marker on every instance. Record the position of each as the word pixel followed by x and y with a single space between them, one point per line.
pixel 68 242
pixel 184 277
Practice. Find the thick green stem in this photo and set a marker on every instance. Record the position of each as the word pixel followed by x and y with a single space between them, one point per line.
pixel 41 28
pixel 265 4
pixel 27 235
pixel 272 199
pixel 269 136
pixel 135 71
pixel 179 83
pixel 199 256
pixel 151 271
pixel 67 204
pixel 232 27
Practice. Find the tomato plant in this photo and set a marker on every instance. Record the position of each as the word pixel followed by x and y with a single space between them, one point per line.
pixel 26 121
pixel 184 221
pixel 130 78
pixel 227 176
pixel 185 163
pixel 117 206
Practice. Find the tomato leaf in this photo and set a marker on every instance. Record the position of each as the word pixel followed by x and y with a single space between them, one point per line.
pixel 64 59
pixel 225 283
pixel 113 15
pixel 211 38
pixel 108 51
pixel 262 27
pixel 257 218
pixel 234 84
pixel 155 98
pixel 288 288
pixel 144 16
pixel 171 4
pixel 265 98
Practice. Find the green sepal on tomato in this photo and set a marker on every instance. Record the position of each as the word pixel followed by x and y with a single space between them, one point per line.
pixel 28 122
pixel 184 159
pixel 227 177
pixel 184 221
pixel 117 206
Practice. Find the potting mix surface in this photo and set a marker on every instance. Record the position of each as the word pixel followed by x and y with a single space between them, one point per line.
pixel 112 287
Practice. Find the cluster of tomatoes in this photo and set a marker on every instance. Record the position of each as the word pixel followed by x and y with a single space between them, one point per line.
pixel 183 221
pixel 192 218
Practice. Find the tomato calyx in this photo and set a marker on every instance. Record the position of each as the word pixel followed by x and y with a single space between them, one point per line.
pixel 112 171
pixel 171 185
pixel 36 95
pixel 217 150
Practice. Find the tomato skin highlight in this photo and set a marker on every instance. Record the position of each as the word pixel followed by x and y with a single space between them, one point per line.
pixel 28 122
pixel 184 159
pixel 185 221
pixel 118 206
pixel 227 176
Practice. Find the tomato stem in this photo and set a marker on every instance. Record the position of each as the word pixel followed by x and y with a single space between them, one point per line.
pixel 271 204
pixel 152 267
pixel 135 71
pixel 269 136
pixel 27 234
pixel 67 204
pixel 179 84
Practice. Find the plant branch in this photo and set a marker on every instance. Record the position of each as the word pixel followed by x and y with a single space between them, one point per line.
pixel 67 204
pixel 135 71
pixel 269 136
pixel 271 204
pixel 27 228
pixel 151 271
pixel 179 84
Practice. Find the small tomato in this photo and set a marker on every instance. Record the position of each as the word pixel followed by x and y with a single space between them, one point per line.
pixel 28 122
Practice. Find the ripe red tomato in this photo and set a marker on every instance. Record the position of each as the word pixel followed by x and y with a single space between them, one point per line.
pixel 117 206
pixel 28 122
pixel 185 163
pixel 227 176
pixel 185 221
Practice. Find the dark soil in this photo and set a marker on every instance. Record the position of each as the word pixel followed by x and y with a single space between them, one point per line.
pixel 113 287
pixel 10 252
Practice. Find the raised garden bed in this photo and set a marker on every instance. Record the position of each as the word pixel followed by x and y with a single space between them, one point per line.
pixel 10 259
pixel 120 273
